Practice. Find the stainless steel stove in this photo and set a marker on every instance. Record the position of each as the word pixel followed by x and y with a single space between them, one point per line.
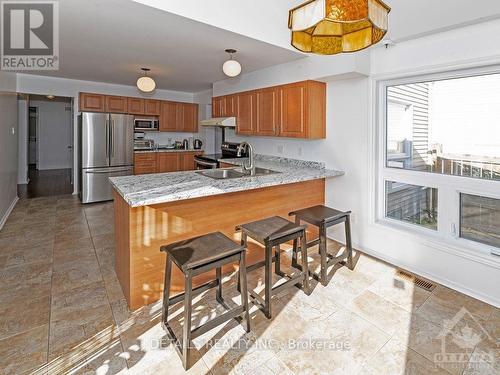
pixel 229 150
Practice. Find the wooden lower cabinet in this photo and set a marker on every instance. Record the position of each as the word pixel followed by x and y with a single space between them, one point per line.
pixel 168 162
pixel 163 162
pixel 145 163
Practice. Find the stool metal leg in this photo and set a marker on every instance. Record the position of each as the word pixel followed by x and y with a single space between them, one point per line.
pixel 277 265
pixel 268 280
pixel 295 250
pixel 244 292
pixel 186 338
pixel 244 243
pixel 305 265
pixel 323 254
pixel 348 243
pixel 218 273
pixel 166 291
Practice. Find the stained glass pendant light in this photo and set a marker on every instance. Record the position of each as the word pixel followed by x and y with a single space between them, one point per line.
pixel 328 27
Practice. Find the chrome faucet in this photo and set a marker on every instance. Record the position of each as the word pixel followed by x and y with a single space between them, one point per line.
pixel 241 148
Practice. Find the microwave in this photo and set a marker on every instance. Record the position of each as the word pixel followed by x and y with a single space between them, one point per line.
pixel 146 124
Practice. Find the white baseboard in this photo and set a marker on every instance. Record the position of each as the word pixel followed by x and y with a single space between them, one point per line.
pixel 436 278
pixel 9 210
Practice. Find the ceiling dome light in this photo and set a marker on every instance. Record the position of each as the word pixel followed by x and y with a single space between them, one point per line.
pixel 145 83
pixel 51 97
pixel 328 27
pixel 231 68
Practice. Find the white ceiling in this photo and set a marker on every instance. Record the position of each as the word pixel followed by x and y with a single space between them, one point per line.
pixel 109 40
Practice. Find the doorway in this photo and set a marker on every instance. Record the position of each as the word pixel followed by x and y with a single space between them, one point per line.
pixel 47 146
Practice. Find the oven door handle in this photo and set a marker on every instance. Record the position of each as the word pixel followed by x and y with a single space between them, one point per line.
pixel 204 163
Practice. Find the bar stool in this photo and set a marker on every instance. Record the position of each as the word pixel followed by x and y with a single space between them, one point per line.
pixel 193 257
pixel 324 217
pixel 272 232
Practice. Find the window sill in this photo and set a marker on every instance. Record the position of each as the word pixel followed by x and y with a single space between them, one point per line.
pixel 456 246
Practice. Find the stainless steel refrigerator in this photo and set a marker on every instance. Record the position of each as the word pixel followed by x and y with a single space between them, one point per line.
pixel 106 150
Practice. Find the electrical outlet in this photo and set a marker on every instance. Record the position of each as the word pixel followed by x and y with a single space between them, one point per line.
pixel 299 151
pixel 353 217
pixel 13 130
pixel 281 149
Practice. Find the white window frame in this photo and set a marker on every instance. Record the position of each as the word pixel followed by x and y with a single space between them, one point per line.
pixel 449 187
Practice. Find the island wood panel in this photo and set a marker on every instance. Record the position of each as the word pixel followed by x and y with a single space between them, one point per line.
pixel 150 227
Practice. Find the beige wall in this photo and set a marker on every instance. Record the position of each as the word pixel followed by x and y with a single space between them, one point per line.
pixel 8 145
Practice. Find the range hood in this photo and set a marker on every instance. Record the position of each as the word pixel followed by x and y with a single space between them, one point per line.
pixel 223 122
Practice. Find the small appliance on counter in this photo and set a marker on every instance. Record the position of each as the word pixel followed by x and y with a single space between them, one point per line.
pixel 144 144
pixel 197 144
pixel 229 150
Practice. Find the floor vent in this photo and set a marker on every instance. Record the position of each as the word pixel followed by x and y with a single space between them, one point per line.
pixel 418 281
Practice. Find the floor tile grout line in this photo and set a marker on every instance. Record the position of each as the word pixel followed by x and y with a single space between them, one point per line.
pixel 105 289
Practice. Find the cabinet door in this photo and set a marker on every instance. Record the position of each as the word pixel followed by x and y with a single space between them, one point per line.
pixel 116 104
pixel 246 115
pixel 293 110
pixel 267 111
pixel 136 106
pixel 92 102
pixel 186 161
pixel 168 162
pixel 230 106
pixel 169 119
pixel 189 118
pixel 218 106
pixel 152 107
pixel 145 163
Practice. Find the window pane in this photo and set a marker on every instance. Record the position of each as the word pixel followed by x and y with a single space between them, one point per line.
pixel 411 203
pixel 480 219
pixel 447 127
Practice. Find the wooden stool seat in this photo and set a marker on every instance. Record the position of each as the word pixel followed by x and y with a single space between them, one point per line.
pixel 324 217
pixel 201 250
pixel 317 215
pixel 194 257
pixel 272 232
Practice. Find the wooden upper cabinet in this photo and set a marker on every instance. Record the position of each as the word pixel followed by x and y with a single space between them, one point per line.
pixel 189 118
pixel 230 106
pixel 169 117
pixel 293 110
pixel 267 112
pixel 92 102
pixel 168 162
pixel 152 107
pixel 136 106
pixel 218 106
pixel 116 104
pixel 246 113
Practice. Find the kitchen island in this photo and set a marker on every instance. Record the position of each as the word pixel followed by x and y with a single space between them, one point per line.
pixel 158 209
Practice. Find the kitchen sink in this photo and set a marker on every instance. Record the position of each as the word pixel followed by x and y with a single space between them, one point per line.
pixel 238 172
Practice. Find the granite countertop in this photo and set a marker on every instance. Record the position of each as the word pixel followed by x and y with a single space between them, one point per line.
pixel 166 150
pixel 143 190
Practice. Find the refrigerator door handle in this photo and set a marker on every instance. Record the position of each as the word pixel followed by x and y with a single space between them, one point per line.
pixel 108 170
pixel 107 139
pixel 112 140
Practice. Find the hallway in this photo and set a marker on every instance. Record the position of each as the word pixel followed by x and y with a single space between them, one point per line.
pixel 46 183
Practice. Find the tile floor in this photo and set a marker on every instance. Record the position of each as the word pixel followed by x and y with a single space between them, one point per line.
pixel 62 311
